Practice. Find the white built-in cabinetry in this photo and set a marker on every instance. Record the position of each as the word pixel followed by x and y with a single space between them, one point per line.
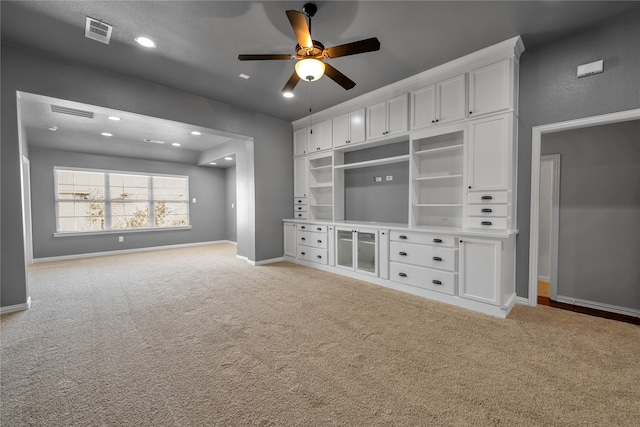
pixel 457 245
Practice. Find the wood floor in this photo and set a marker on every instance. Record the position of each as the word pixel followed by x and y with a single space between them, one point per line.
pixel 544 295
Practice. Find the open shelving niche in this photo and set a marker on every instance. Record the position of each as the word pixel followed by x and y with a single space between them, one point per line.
pixel 321 187
pixel 342 164
pixel 437 177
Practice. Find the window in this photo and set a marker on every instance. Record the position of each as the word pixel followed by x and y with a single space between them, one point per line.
pixel 94 200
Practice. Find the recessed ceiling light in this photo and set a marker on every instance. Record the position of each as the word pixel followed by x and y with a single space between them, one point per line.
pixel 175 144
pixel 106 134
pixel 243 76
pixel 146 42
pixel 212 163
pixel 195 132
pixel 287 94
pixel 114 118
pixel 53 128
pixel 228 158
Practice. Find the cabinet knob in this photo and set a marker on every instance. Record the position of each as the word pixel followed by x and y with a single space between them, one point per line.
pixel 436 282
pixel 437 240
pixel 319 256
pixel 319 241
pixel 486 198
pixel 437 120
pixel 433 121
pixel 485 223
pixel 403 253
pixel 469 187
pixel 437 258
pixel 470 112
pixel 318 228
pixel 402 274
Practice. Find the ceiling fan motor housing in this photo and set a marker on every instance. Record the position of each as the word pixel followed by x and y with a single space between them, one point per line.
pixel 310 9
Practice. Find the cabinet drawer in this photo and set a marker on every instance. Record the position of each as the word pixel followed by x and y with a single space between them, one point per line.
pixel 424 278
pixel 312 227
pixel 300 201
pixel 300 208
pixel 300 215
pixel 488 197
pixel 423 238
pixel 313 254
pixel 316 240
pixel 487 210
pixel 487 223
pixel 424 255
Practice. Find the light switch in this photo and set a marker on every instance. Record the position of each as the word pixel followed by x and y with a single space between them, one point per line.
pixel 389 177
pixel 194 200
pixel 377 179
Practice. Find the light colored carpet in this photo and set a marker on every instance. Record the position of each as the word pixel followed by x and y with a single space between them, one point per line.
pixel 195 337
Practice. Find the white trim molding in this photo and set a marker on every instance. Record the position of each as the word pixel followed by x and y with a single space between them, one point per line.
pixel 600 306
pixel 16 307
pixel 536 142
pixel 126 251
pixel 269 261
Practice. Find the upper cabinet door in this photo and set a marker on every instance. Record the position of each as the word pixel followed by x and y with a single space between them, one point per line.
pixel 341 130
pixel 451 96
pixel 321 136
pixel 300 141
pixel 489 154
pixel 423 111
pixel 377 120
pixel 398 114
pixel 490 89
pixel 356 126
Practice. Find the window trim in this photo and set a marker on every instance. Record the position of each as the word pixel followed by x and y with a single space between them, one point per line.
pixel 107 202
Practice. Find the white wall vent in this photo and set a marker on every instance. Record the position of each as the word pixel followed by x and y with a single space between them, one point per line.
pixel 98 30
pixel 71 111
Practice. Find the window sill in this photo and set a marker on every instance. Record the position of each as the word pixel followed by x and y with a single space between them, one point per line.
pixel 120 231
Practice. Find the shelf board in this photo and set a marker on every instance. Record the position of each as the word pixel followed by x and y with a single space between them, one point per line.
pixel 377 162
pixel 319 168
pixel 322 205
pixel 323 185
pixel 438 205
pixel 438 150
pixel 427 178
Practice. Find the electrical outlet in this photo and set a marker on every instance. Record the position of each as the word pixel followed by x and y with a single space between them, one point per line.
pixel 377 179
pixel 389 177
pixel 120 239
pixel 194 200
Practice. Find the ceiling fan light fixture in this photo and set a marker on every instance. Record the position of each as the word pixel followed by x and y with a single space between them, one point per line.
pixel 310 69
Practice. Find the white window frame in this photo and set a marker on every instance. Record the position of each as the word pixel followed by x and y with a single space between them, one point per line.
pixel 107 202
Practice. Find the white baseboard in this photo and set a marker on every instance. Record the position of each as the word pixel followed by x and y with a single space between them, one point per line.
pixel 16 307
pixel 269 261
pixel 522 300
pixel 599 306
pixel 243 258
pixel 127 251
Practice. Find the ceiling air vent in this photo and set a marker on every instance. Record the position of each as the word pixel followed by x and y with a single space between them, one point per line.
pixel 98 30
pixel 71 111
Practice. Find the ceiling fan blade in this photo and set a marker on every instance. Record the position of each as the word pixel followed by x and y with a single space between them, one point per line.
pixel 338 77
pixel 261 57
pixel 300 28
pixel 293 81
pixel 362 46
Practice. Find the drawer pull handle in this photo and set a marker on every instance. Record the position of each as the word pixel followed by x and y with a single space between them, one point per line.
pixel 303 227
pixel 437 282
pixel 299 208
pixel 303 253
pixel 486 198
pixel 402 236
pixel 437 258
pixel 318 228
pixel 319 256
pixel 486 223
pixel 303 238
pixel 437 240
pixel 487 210
pixel 402 274
pixel 299 201
pixel 319 241
pixel 403 253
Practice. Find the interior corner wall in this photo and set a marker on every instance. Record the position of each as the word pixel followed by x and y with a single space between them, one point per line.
pixel 207 216
pixel 231 204
pixel 29 71
pixel 550 92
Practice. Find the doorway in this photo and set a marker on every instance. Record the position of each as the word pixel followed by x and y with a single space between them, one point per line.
pixel 548 226
pixel 549 132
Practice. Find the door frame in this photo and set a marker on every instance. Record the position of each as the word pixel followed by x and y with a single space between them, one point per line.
pixel 536 142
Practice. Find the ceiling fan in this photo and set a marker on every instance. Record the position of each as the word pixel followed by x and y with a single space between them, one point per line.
pixel 311 53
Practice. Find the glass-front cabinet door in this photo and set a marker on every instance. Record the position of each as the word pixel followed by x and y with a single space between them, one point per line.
pixel 367 252
pixel 344 248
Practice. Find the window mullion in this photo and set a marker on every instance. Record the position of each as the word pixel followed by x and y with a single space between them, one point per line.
pixel 152 214
pixel 107 201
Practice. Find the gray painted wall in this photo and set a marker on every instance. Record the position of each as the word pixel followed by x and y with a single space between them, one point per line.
pixel 207 215
pixel 551 93
pixel 599 236
pixel 230 203
pixel 29 71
